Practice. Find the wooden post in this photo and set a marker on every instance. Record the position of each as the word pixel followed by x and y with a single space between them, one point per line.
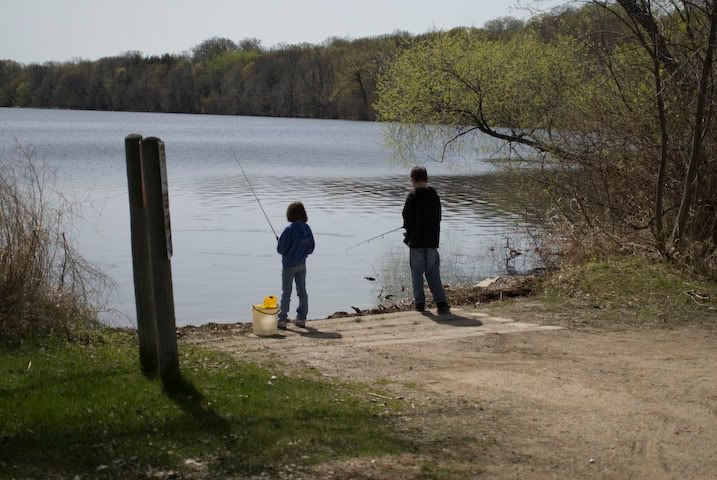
pixel 146 326
pixel 160 248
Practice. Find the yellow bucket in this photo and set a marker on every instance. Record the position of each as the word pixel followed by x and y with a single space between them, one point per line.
pixel 264 317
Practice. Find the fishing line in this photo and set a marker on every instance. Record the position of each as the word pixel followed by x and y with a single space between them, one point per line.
pixel 254 193
pixel 373 238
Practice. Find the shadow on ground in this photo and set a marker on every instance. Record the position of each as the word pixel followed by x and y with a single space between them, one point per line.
pixel 192 402
pixel 311 332
pixel 452 319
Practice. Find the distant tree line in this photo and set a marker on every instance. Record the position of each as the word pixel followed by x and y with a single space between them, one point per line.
pixel 336 79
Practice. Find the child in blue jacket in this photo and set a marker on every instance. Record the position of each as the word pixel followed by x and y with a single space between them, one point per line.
pixel 295 244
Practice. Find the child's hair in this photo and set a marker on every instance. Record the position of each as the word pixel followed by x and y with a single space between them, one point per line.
pixel 296 212
pixel 419 174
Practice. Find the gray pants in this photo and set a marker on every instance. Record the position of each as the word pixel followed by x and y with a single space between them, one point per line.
pixel 426 261
pixel 288 276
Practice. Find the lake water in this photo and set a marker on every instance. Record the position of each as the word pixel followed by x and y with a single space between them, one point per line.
pixel 224 252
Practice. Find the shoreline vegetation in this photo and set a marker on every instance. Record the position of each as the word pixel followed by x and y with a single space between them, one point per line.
pixel 46 286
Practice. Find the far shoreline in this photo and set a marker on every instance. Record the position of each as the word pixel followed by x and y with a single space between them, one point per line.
pixel 192 114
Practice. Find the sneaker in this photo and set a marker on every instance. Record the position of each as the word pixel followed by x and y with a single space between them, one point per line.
pixel 443 307
pixel 300 323
pixel 420 307
pixel 282 324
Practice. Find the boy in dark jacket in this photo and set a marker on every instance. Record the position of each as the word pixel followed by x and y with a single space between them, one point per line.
pixel 422 221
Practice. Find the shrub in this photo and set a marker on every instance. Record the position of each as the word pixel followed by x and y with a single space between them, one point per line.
pixel 45 286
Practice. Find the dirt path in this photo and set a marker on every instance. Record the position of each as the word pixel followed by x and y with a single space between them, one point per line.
pixel 490 397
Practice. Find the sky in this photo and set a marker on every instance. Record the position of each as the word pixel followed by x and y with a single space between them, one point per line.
pixel 35 31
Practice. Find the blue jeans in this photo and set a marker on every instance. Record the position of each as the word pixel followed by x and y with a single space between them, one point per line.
pixel 288 276
pixel 426 261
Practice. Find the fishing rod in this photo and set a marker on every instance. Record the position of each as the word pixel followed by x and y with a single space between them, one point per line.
pixel 254 193
pixel 374 238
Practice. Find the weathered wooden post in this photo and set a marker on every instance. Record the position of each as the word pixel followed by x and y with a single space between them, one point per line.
pixel 156 192
pixel 146 325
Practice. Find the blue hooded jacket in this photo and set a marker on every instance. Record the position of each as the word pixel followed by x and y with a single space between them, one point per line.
pixel 295 244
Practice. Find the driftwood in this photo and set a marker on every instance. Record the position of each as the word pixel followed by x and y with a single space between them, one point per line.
pixel 506 286
pixel 381 308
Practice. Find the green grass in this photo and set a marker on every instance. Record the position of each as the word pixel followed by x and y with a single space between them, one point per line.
pixel 642 288
pixel 84 409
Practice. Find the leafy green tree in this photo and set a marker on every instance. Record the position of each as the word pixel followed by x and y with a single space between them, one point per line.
pixel 516 91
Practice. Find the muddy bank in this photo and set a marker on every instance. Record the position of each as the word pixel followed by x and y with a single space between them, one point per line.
pixel 492 289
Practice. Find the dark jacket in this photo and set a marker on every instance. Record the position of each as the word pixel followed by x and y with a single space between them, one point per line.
pixel 295 244
pixel 422 218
